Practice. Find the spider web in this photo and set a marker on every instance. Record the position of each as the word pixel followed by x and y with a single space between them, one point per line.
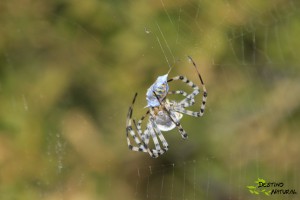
pixel 175 181
pixel 71 69
pixel 256 72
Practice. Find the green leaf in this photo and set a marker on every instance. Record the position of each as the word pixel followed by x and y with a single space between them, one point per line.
pixel 251 187
pixel 266 193
pixel 255 192
pixel 261 180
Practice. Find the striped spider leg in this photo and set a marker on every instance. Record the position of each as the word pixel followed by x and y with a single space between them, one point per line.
pixel 142 138
pixel 189 99
pixel 152 130
pixel 168 108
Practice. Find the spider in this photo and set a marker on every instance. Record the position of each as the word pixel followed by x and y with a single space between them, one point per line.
pixel 164 114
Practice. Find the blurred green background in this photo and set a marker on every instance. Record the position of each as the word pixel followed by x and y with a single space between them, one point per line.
pixel 69 70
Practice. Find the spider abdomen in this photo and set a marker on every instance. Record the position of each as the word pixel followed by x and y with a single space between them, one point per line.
pixel 164 123
pixel 162 118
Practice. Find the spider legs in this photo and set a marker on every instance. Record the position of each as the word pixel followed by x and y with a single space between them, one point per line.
pixel 189 100
pixel 204 97
pixel 142 138
pixel 183 93
pixel 154 130
pixel 193 113
pixel 142 146
pixel 177 123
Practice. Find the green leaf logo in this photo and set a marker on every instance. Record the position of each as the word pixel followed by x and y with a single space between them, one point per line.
pixel 257 189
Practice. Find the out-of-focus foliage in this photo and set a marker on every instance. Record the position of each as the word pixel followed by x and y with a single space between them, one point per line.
pixel 68 72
